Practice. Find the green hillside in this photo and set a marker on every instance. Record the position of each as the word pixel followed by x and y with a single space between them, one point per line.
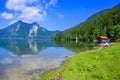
pixel 106 22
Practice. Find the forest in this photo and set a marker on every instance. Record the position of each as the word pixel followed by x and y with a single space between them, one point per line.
pixel 103 23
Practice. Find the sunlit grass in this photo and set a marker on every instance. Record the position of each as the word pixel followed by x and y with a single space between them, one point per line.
pixel 100 64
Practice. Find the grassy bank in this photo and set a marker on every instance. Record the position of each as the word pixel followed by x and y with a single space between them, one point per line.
pixel 100 64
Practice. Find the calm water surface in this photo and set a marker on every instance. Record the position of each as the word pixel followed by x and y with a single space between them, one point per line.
pixel 28 59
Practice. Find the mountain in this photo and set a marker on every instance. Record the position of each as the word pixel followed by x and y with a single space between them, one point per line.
pixel 98 14
pixel 24 30
pixel 103 23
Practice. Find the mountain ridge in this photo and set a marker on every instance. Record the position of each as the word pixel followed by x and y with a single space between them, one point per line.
pixel 21 29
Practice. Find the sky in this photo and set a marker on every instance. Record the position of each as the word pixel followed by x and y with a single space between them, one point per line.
pixel 51 14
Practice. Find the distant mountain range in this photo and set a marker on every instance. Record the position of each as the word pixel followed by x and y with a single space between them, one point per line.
pixel 24 30
pixel 103 23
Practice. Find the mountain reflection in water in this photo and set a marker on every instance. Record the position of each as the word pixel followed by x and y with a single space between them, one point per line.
pixel 28 59
pixel 25 46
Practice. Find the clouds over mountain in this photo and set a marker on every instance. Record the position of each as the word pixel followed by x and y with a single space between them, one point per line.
pixel 28 10
pixel 7 15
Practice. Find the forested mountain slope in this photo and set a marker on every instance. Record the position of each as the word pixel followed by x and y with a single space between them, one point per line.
pixel 106 22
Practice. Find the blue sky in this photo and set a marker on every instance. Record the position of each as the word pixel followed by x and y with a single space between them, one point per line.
pixel 51 14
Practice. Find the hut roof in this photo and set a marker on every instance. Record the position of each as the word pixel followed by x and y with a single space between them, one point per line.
pixel 103 37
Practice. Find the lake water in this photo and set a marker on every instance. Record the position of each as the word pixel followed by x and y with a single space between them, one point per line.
pixel 28 59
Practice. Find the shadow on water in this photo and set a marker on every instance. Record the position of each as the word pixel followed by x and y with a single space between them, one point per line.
pixel 76 46
pixel 25 46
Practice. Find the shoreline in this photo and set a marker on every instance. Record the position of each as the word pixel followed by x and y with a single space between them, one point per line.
pixel 89 60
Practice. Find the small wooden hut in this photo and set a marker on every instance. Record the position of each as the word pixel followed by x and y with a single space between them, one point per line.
pixel 102 39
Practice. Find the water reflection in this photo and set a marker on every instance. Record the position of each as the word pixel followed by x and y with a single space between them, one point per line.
pixel 28 59
pixel 77 46
pixel 29 68
pixel 25 46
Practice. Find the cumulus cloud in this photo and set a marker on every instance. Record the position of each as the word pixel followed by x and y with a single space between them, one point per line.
pixel 29 10
pixel 7 15
pixel 15 4
pixel 18 5
pixel 31 14
pixel 61 16
pixel 53 2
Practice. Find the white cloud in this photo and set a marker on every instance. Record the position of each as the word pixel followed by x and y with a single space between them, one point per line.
pixel 53 2
pixel 31 14
pixel 25 10
pixel 7 15
pixel 18 5
pixel 61 16
pixel 15 4
pixel 30 10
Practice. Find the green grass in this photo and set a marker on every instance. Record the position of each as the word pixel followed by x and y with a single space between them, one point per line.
pixel 100 64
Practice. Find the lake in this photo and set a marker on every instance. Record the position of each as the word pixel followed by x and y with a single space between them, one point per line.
pixel 28 59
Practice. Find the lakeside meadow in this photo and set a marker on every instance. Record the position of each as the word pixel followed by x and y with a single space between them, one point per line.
pixel 99 64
